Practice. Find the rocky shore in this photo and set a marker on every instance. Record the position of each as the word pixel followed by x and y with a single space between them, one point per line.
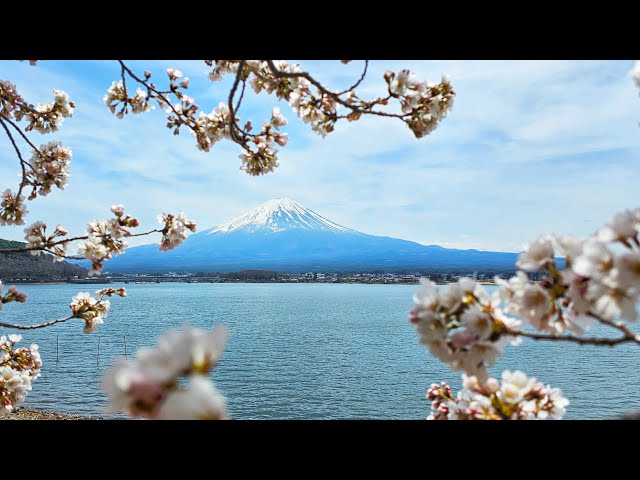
pixel 31 414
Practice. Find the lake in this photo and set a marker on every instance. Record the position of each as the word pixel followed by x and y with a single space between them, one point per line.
pixel 300 351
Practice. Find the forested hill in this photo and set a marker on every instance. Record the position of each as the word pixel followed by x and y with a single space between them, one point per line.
pixel 10 244
pixel 41 268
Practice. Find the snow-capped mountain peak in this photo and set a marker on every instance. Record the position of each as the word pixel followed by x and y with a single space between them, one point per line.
pixel 282 235
pixel 277 215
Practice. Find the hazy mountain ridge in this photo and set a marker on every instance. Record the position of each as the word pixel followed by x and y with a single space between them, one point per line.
pixel 283 235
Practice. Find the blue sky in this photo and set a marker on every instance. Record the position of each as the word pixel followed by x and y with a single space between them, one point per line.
pixel 530 147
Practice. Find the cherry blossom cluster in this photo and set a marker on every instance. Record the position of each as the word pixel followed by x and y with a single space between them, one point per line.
pixel 600 282
pixel 426 103
pixel 106 238
pixel 210 128
pixel 466 328
pixel 259 155
pixel 117 96
pixel 38 240
pixel 175 230
pixel 600 279
pixel 461 325
pixel 422 104
pixel 262 157
pixel 44 118
pixel 170 381
pixel 12 295
pixel 10 99
pixel 180 113
pixel 49 166
pixel 223 67
pixel 19 366
pixel 93 311
pixel 12 208
pixel 319 111
pixel 110 292
pixel 517 397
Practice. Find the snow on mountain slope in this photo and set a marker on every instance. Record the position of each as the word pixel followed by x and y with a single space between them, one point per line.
pixel 278 215
pixel 283 235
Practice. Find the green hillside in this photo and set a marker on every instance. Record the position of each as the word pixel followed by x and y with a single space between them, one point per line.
pixel 27 267
pixel 10 244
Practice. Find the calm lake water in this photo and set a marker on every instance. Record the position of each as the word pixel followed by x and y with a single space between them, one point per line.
pixel 309 351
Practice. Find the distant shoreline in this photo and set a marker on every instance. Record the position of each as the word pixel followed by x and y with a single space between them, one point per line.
pixel 261 282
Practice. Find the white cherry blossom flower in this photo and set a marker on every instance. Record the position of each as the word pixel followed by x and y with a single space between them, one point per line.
pixel 621 228
pixel 12 208
pixel 596 261
pixel 477 322
pixel 175 230
pixel 538 254
pixel 198 401
pixel 627 270
pixel 277 119
pixel 149 385
pixel 611 303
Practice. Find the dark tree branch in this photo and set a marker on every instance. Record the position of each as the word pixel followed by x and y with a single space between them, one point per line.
pixel 571 338
pixel 157 93
pixel 628 333
pixel 17 150
pixel 39 325
pixel 233 126
pixel 280 74
pixel 357 84
pixel 24 137
pixel 67 240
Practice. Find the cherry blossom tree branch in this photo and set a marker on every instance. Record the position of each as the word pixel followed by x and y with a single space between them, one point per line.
pixel 629 334
pixel 423 105
pixel 61 255
pixel 572 338
pixel 67 240
pixel 360 80
pixel 18 153
pixel 23 135
pixel 233 126
pixel 335 96
pixel 52 244
pixel 38 325
pixel 152 89
pixel 244 85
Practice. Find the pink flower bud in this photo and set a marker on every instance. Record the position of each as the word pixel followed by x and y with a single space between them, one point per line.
pixel 118 210
pixel 281 139
pixel 491 385
pixel 14 295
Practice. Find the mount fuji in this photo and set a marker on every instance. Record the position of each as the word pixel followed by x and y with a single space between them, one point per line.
pixel 283 235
